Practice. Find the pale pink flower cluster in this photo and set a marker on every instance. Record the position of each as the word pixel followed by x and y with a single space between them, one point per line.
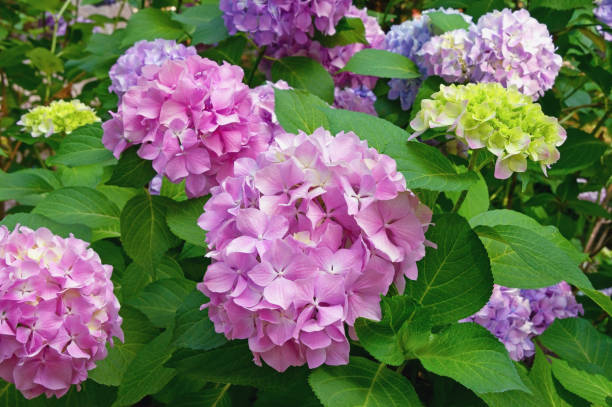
pixel 57 311
pixel 193 118
pixel 305 239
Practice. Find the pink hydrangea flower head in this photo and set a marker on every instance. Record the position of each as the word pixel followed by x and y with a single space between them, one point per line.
pixel 57 311
pixel 515 316
pixel 304 240
pixel 514 49
pixel 356 99
pixel 192 118
pixel 128 68
pixel 269 22
pixel 445 56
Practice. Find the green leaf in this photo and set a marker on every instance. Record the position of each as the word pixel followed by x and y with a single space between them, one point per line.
pixel 476 200
pixel 160 300
pixel 183 220
pixel 149 24
pixel 229 50
pixel 176 192
pixel 455 278
pixel 477 8
pixel 471 355
pixel 600 299
pixel 443 22
pixel 82 205
pixel 578 342
pixel 34 221
pixel 539 381
pixel 119 195
pixel 137 277
pixel 429 86
pixel 83 147
pixel 144 232
pixel 45 61
pixel 423 166
pixel 593 387
pixel 299 110
pixel 81 176
pixel 28 186
pixel 382 339
pixel 146 373
pixel 561 4
pixel 579 151
pixel 137 331
pixel 212 397
pixel 132 171
pixel 521 258
pixel 348 31
pixel 233 363
pixel 306 74
pixel 203 23
pixel 382 64
pixel 193 329
pixel 362 383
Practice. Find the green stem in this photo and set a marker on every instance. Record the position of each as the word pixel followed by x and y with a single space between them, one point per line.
pixel 118 16
pixel 401 367
pixel 142 4
pixel 601 122
pixel 178 7
pixel 56 25
pixel 463 195
pixel 262 51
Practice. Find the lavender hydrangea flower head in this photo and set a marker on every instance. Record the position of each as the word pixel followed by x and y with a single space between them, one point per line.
pixel 273 21
pixel 515 316
pixel 603 12
pixel 356 99
pixel 128 68
pixel 57 309
pixel 445 56
pixel 514 49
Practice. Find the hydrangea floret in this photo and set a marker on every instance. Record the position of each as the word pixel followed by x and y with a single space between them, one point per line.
pixel 515 316
pixel 504 121
pixel 57 311
pixel 603 12
pixel 59 116
pixel 445 56
pixel 356 99
pixel 128 68
pixel 303 241
pixel 514 49
pixel 193 118
pixel 270 22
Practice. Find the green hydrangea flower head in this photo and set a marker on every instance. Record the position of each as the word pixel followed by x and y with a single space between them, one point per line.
pixel 506 122
pixel 59 117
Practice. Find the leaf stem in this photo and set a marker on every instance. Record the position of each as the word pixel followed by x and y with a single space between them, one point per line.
pixel 260 55
pixel 56 25
pixel 463 195
pixel 118 16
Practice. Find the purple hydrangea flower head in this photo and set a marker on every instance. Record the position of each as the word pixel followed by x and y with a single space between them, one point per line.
pixel 445 56
pixel 279 21
pixel 193 118
pixel 128 68
pixel 514 49
pixel 356 99
pixel 334 59
pixel 57 309
pixel 515 316
pixel 603 12
pixel 303 241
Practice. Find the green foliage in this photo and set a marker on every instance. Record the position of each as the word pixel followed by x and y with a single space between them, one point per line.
pixel 306 74
pixel 381 63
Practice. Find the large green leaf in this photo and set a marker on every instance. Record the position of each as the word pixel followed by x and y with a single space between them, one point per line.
pixel 28 186
pixel 362 383
pixel 82 205
pixel 521 258
pixel 299 110
pixel 160 300
pixel 229 50
pixel 443 22
pixel 193 329
pixel 146 374
pixel 306 74
pixel 137 331
pixel 348 31
pixel 579 151
pixel 149 24
pixel 137 277
pixel 455 278
pixel 132 171
pixel 83 147
pixel 183 221
pixel 561 4
pixel 383 64
pixel 593 387
pixel 422 165
pixel 578 342
pixel 203 23
pixel 233 363
pixel 471 355
pixel 476 201
pixel 45 61
pixel 34 221
pixel 144 232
